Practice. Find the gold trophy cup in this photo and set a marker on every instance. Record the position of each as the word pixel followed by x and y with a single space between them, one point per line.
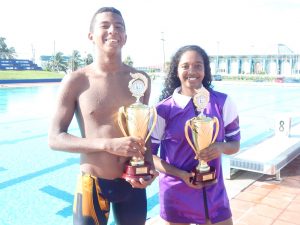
pixel 203 134
pixel 137 117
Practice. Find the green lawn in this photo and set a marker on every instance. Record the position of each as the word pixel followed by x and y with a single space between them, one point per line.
pixel 28 74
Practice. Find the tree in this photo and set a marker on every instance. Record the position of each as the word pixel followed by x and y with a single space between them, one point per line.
pixel 75 60
pixel 5 52
pixel 128 61
pixel 88 59
pixel 57 63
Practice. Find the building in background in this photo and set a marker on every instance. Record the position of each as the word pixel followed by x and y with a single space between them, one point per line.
pixel 284 62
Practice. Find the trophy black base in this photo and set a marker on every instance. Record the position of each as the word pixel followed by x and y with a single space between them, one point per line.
pixel 204 177
pixel 137 172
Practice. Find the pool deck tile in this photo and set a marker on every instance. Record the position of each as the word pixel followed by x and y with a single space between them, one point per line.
pixel 262 200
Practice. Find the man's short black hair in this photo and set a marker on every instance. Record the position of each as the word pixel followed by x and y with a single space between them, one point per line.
pixel 102 10
pixel 109 9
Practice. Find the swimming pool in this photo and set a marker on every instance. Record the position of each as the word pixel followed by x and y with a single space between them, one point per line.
pixel 37 184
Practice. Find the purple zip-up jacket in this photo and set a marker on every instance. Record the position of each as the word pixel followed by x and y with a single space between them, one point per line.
pixel 178 202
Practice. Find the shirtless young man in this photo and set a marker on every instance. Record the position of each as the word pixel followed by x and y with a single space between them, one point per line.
pixel 94 94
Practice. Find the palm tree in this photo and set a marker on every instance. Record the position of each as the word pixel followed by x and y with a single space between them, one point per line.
pixel 57 63
pixel 128 61
pixel 88 59
pixel 5 52
pixel 75 60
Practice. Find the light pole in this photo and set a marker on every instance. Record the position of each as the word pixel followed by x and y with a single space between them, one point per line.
pixel 54 53
pixel 217 66
pixel 163 45
pixel 33 53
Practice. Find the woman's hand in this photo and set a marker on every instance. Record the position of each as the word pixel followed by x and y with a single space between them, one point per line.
pixel 216 149
pixel 188 177
pixel 213 151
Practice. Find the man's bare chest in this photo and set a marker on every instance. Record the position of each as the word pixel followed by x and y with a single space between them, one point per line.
pixel 103 102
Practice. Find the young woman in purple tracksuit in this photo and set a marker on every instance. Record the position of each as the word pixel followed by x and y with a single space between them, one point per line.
pixel 182 202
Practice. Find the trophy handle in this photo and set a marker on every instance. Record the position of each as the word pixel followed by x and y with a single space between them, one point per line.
pixel 153 123
pixel 120 115
pixel 216 121
pixel 186 133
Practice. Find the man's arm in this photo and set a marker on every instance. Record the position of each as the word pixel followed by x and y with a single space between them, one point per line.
pixel 59 138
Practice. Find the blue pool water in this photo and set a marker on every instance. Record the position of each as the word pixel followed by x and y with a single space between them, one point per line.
pixel 37 184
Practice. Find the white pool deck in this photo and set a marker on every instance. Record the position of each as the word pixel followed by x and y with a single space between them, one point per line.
pixel 269 156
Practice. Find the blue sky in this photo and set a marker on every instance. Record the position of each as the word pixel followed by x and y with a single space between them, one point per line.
pixel 219 26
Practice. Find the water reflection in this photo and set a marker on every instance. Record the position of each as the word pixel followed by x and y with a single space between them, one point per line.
pixel 26 101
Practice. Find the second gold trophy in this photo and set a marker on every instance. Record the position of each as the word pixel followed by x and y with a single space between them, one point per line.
pixel 204 132
pixel 138 118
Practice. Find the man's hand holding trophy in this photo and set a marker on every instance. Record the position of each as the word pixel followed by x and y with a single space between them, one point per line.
pixel 204 132
pixel 137 121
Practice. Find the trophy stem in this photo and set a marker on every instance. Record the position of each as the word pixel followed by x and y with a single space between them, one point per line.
pixel 138 100
pixel 203 166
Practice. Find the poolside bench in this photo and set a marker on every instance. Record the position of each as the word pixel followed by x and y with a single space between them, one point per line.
pixel 267 157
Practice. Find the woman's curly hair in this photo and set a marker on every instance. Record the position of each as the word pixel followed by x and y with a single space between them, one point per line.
pixel 172 81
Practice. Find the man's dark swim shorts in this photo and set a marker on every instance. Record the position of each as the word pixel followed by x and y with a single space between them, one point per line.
pixel 94 196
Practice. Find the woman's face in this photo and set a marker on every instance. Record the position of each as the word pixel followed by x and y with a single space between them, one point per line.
pixel 190 72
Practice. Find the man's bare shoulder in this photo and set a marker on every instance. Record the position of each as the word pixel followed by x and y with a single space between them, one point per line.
pixel 77 75
pixel 76 78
